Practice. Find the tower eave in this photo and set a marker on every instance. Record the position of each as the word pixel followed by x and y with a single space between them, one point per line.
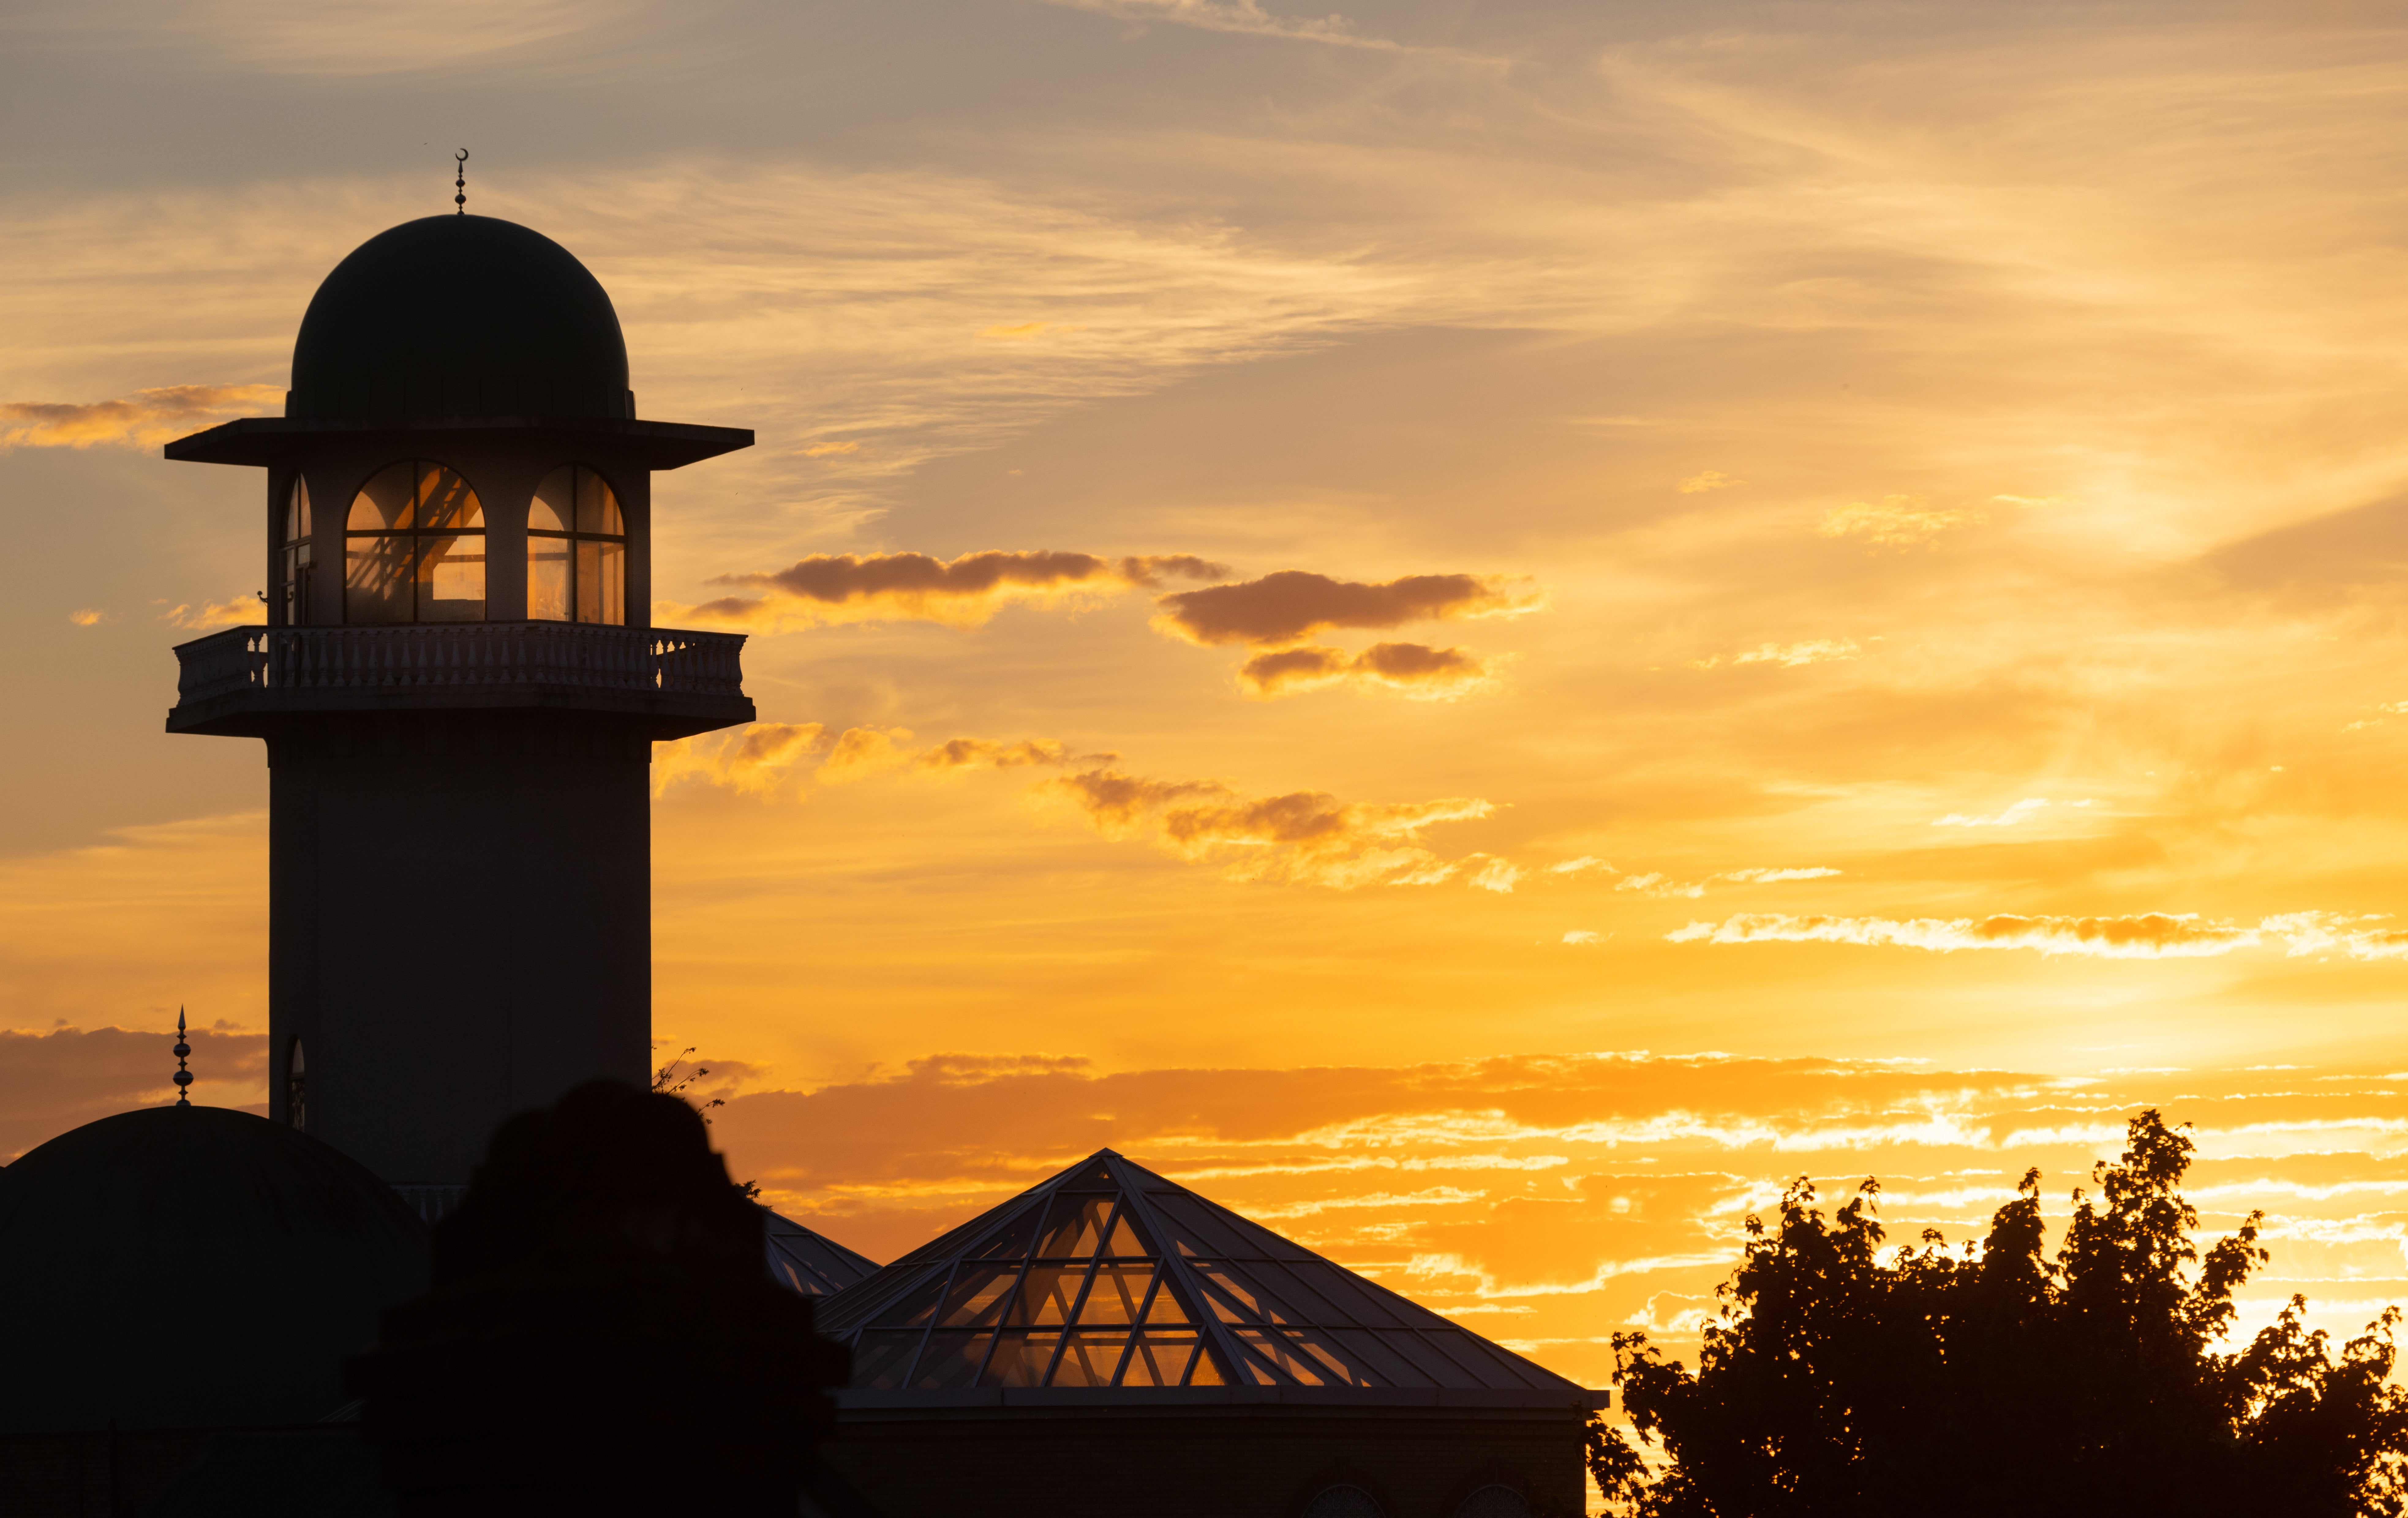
pixel 266 440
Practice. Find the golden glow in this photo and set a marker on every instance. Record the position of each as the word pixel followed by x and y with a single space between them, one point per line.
pixel 1486 682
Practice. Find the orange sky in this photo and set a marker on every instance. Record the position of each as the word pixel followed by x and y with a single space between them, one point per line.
pixel 1855 633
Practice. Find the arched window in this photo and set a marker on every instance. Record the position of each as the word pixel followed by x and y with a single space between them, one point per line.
pixel 297 1091
pixel 577 550
pixel 1494 1501
pixel 1346 1501
pixel 414 548
pixel 293 554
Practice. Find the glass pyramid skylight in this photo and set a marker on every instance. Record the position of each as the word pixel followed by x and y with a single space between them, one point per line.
pixel 1110 1275
pixel 810 1263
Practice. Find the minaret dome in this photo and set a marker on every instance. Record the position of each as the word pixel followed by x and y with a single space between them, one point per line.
pixel 460 316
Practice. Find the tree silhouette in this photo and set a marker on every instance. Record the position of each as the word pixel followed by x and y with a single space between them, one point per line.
pixel 1993 1381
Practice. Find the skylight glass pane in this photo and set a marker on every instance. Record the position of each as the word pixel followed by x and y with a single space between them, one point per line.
pixel 1269 1350
pixel 976 1300
pixel 1256 1305
pixel 1117 1296
pixel 1226 1308
pixel 1493 1366
pixel 917 1305
pixel 951 1359
pixel 1021 1356
pixel 1164 1308
pixel 1373 1355
pixel 1208 1370
pixel 1160 1360
pixel 1197 1226
pixel 1127 1238
pixel 1337 1365
pixel 1074 1227
pixel 1088 1360
pixel 1048 1295
pixel 1097 1174
pixel 881 1357
pixel 1283 1283
pixel 1441 1367
pixel 1013 1242
pixel 1348 1293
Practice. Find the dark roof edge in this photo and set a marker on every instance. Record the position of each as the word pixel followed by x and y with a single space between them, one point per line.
pixel 269 439
pixel 1167 1399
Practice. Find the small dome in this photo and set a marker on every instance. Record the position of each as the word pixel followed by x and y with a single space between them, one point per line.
pixel 460 316
pixel 191 1266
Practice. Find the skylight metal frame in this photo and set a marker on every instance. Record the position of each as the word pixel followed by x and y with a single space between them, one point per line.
pixel 1302 1322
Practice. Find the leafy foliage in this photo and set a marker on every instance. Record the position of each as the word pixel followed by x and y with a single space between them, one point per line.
pixel 1992 1380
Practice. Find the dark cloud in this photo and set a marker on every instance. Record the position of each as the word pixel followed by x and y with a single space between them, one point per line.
pixel 851 587
pixel 1412 669
pixel 53 1081
pixel 1293 604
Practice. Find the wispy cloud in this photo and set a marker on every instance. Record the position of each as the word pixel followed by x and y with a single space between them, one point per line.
pixel 143 420
pixel 1897 521
pixel 760 757
pixel 1306 836
pixel 2027 807
pixel 1709 480
pixel 825 588
pixel 1787 655
pixel 235 611
pixel 1245 17
pixel 2145 936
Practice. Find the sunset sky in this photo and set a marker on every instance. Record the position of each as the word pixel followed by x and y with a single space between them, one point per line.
pixel 1525 620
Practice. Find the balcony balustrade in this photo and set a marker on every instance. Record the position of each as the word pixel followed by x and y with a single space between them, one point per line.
pixel 265 671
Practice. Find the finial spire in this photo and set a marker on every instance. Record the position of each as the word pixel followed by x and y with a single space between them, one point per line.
pixel 183 1076
pixel 460 183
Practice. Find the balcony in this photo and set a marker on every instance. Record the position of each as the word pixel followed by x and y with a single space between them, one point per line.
pixel 671 682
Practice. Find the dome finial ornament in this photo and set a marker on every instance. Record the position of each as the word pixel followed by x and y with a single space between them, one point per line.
pixel 460 183
pixel 183 1076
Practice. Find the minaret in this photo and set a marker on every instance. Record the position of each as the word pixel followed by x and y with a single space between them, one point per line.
pixel 459 684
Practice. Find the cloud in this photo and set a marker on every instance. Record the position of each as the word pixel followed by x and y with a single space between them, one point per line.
pixel 1292 604
pixel 238 611
pixel 2322 933
pixel 2008 818
pixel 1016 330
pixel 825 450
pixel 758 758
pixel 1697 484
pixel 1656 883
pixel 1582 935
pixel 145 420
pixel 2145 935
pixel 1496 875
pixel 1411 669
pixel 1245 17
pixel 1787 655
pixel 87 618
pixel 1897 521
pixel 1304 837
pixel 752 760
pixel 967 754
pixel 827 588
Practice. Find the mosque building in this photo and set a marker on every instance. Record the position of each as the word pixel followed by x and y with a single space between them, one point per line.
pixel 458 686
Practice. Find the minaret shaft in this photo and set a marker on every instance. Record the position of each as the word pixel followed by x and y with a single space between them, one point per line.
pixel 460 924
